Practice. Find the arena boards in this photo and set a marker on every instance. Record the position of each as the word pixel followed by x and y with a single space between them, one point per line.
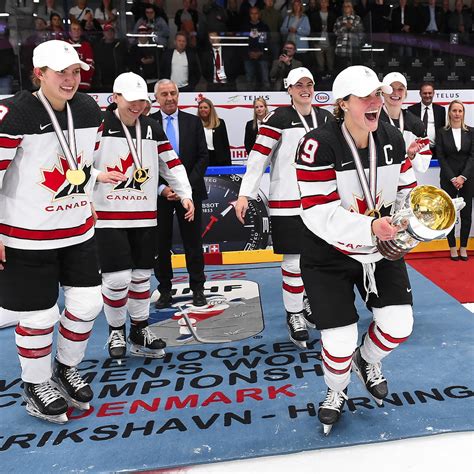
pixel 254 396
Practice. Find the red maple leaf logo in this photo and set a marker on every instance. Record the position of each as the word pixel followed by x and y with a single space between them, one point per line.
pixel 124 165
pixel 55 178
pixel 361 204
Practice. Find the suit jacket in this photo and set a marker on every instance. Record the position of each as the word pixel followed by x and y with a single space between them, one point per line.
pixel 192 150
pixel 438 110
pixel 250 135
pixel 451 161
pixel 194 70
pixel 220 140
pixel 396 23
pixel 439 18
pixel 231 59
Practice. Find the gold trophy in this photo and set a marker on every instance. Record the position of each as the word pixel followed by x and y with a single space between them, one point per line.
pixel 428 213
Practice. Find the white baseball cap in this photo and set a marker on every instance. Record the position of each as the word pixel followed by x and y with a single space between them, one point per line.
pixel 295 75
pixel 392 77
pixel 131 86
pixel 360 81
pixel 57 55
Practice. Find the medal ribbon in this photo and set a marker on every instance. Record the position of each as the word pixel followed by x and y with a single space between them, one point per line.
pixel 136 152
pixel 69 149
pixel 369 188
pixel 305 123
pixel 400 119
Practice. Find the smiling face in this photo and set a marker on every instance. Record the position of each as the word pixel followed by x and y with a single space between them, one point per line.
pixel 204 110
pixel 302 92
pixel 362 113
pixel 427 94
pixel 395 99
pixel 167 96
pixel 129 111
pixel 59 86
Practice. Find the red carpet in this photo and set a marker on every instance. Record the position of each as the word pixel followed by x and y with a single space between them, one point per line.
pixel 456 278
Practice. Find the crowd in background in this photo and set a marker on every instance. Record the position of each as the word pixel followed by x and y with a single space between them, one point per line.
pixel 234 44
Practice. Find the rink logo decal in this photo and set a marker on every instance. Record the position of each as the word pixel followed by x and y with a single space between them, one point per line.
pixel 233 313
pixel 321 98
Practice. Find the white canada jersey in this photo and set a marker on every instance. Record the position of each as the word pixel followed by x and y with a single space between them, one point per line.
pixel 413 128
pixel 39 208
pixel 331 195
pixel 276 144
pixel 132 203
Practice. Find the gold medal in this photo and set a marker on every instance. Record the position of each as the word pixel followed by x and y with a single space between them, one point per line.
pixel 373 213
pixel 140 175
pixel 75 177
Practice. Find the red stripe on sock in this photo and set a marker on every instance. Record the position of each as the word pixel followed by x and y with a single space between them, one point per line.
pixel 74 336
pixel 336 371
pixel 376 340
pixel 34 353
pixel 339 360
pixel 393 340
pixel 293 289
pixel 290 274
pixel 24 331
pixel 139 295
pixel 115 303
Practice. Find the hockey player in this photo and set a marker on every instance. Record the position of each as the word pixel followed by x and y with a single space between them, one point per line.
pixel 411 127
pixel 352 174
pixel 276 143
pixel 47 141
pixel 126 227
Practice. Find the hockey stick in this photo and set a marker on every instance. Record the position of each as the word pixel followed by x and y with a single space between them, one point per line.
pixel 193 330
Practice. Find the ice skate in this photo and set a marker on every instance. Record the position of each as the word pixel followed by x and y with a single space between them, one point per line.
pixel 116 343
pixel 72 386
pixel 331 408
pixel 45 402
pixel 307 313
pixel 371 376
pixel 297 329
pixel 144 343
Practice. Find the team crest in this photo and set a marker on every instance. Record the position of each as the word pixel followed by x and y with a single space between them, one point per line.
pixel 54 180
pixel 360 205
pixel 135 181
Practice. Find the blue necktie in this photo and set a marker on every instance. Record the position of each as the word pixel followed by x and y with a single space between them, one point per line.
pixel 170 133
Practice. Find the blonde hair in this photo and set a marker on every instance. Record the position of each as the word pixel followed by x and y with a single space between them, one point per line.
pixel 264 102
pixel 213 121
pixel 448 122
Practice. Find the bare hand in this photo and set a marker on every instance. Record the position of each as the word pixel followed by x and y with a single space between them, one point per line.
pixel 414 148
pixel 284 59
pixel 241 207
pixel 169 194
pixel 111 177
pixel 189 206
pixel 383 229
pixel 458 182
pixel 3 257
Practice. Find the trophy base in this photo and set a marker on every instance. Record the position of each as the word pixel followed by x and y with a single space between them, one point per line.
pixel 391 250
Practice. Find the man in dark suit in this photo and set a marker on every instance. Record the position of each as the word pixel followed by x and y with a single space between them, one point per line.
pixel 186 134
pixel 432 115
pixel 181 65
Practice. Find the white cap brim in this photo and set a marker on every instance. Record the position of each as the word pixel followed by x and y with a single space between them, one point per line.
pixel 359 81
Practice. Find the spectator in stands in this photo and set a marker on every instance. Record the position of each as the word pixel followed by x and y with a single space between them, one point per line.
pixel 40 35
pixel 283 65
pixel 446 14
pixel 410 126
pixel 460 22
pixel 219 65
pixel 85 52
pixel 296 26
pixel 403 22
pixel 271 16
pixel 348 29
pixel 322 25
pixel 156 24
pixel 216 134
pixel 44 10
pixel 110 55
pixel 215 16
pixel 7 61
pixel 181 64
pixel 256 60
pixel 455 152
pixel 379 15
pixel 186 135
pixel 246 5
pixel 187 20
pixel 92 30
pixel 144 57
pixel 20 20
pixel 432 115
pixel 79 11
pixel 432 18
pixel 106 13
pixel 56 27
pixel 234 20
pixel 260 110
pixel 138 9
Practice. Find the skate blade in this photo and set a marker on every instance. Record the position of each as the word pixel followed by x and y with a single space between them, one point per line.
pixel 299 344
pixel 140 352
pixel 378 401
pixel 58 419
pixel 327 429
